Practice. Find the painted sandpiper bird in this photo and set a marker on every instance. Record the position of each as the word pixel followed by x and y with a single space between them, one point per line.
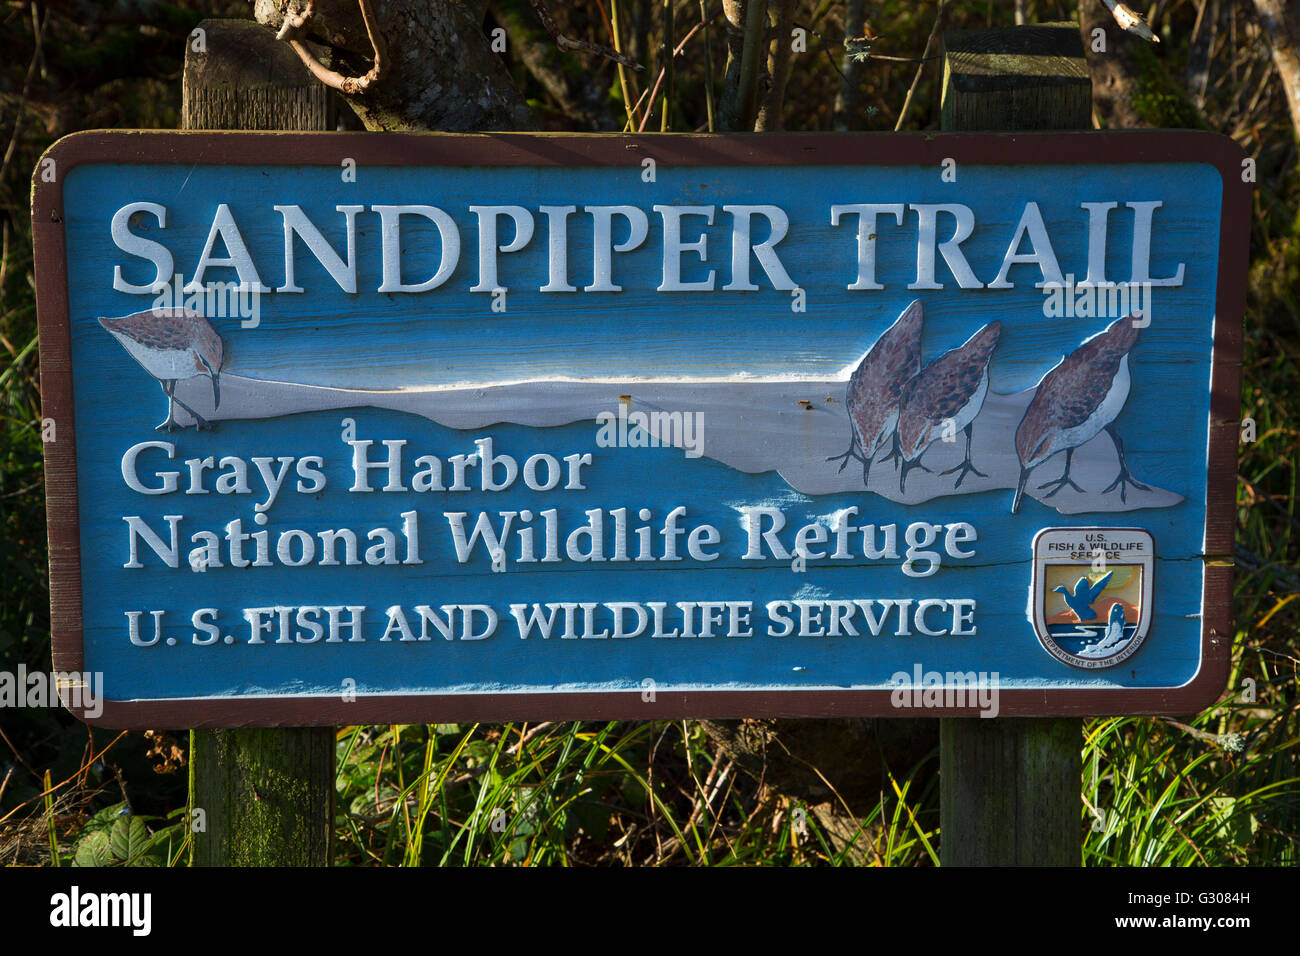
pixel 1076 400
pixel 875 386
pixel 945 398
pixel 172 345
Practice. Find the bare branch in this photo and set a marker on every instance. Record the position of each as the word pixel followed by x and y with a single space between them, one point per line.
pixel 568 43
pixel 294 22
pixel 292 28
pixel 1130 21
pixel 916 77
pixel 1282 32
pixel 439 71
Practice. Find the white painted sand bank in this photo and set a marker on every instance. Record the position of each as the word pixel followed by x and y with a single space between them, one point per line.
pixel 753 427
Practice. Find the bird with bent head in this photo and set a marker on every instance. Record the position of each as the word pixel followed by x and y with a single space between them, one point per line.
pixel 945 399
pixel 1079 398
pixel 875 386
pixel 172 345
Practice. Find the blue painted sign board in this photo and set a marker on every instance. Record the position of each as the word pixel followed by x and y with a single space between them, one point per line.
pixel 352 428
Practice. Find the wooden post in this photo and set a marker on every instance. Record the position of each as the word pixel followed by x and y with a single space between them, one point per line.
pixel 266 796
pixel 1016 78
pixel 1010 789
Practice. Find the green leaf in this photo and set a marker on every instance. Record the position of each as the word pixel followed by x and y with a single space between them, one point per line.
pixel 93 850
pixel 128 837
pixel 104 818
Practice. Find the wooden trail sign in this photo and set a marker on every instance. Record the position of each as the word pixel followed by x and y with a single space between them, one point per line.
pixel 516 426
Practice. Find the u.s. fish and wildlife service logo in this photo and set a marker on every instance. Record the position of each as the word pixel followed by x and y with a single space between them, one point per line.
pixel 1091 599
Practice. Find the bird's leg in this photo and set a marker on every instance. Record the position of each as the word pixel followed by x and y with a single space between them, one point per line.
pixel 200 422
pixel 1063 480
pixel 1020 489
pixel 851 453
pixel 908 466
pixel 895 449
pixel 1125 477
pixel 966 466
pixel 168 386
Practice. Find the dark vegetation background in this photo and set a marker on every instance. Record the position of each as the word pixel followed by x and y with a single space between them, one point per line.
pixel 1218 789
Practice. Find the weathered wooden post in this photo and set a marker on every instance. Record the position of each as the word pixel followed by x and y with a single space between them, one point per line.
pixel 265 796
pixel 1010 788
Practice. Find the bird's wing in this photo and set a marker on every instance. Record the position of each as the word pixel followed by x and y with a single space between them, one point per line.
pixel 875 385
pixel 1096 589
pixel 949 392
pixel 153 331
pixel 1074 389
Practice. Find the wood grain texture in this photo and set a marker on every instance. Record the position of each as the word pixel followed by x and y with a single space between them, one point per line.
pixel 1032 77
pixel 247 79
pixel 1010 792
pixel 267 795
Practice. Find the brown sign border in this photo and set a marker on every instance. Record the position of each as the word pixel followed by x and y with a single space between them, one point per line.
pixel 516 149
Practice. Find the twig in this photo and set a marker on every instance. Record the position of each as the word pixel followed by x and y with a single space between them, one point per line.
pixel 916 78
pixel 470 774
pixel 902 59
pixel 666 51
pixel 37 29
pixel 708 69
pixel 1130 21
pixel 293 22
pixel 654 91
pixel 1268 650
pixel 22 491
pixel 292 28
pixel 708 793
pixel 40 48
pixel 636 110
pixel 568 43
pixel 1200 51
pixel 624 86
pixel 1233 743
pixel 41 795
pixel 17 755
pixel 826 48
pixel 4 266
pixel 703 797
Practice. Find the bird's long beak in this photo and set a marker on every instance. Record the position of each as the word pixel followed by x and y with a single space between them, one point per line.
pixel 216 389
pixel 1020 491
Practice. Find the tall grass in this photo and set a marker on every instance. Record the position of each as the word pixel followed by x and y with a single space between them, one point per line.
pixel 645 793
